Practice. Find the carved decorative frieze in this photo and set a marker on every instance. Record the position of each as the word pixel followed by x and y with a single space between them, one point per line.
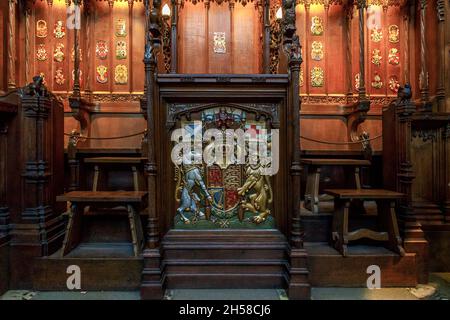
pixel 177 110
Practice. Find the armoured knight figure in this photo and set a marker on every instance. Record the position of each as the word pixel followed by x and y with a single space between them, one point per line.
pixel 190 176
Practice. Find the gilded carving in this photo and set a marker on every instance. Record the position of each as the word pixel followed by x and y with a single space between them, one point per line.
pixel 121 74
pixel 58 55
pixel 376 57
pixel 101 49
pixel 121 28
pixel 219 42
pixel 102 74
pixel 394 84
pixel 376 35
pixel 377 83
pixel 60 30
pixel 394 56
pixel 394 32
pixel 317 26
pixel 41 53
pixel 121 50
pixel 59 77
pixel 317 77
pixel 41 29
pixel 317 50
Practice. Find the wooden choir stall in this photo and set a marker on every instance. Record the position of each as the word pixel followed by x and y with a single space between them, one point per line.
pixel 114 113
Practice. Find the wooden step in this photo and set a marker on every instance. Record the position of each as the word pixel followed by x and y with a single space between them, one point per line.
pixel 229 259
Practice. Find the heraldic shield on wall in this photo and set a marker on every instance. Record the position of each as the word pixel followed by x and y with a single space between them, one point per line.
pixel 223 194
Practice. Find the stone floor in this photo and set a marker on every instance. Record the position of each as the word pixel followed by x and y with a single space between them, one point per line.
pixel 437 289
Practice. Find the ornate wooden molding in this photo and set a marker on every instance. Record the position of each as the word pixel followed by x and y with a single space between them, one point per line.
pixel 11 44
pixel 177 110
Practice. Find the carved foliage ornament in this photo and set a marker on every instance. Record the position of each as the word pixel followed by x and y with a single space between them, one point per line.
pixel 317 77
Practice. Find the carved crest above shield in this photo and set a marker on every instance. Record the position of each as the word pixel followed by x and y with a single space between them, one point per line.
pixel 41 29
pixel 219 42
pixel 121 28
pixel 394 33
pixel 317 26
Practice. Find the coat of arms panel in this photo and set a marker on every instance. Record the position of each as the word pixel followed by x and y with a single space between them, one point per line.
pixel 223 194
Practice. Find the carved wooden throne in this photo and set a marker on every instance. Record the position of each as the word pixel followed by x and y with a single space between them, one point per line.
pixel 210 226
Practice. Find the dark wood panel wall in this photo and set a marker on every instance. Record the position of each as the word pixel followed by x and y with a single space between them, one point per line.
pixel 32 174
pixel 243 25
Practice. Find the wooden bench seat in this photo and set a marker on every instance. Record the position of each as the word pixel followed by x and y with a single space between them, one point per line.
pixel 132 200
pixel 387 219
pixel 312 200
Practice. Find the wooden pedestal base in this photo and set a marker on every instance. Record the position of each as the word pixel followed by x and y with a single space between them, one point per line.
pixel 152 286
pixel 299 287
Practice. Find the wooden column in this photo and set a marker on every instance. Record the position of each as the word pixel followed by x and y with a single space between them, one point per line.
pixel 299 287
pixel 174 40
pixel 151 286
pixel 266 43
pixel 348 16
pixel 11 69
pixel 76 82
pixel 130 46
pixel 425 104
pixel 28 55
pixel 406 45
pixel 364 102
pixel 88 8
pixel 440 94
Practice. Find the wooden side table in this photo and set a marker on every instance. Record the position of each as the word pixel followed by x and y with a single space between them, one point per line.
pixel 313 179
pixel 387 219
